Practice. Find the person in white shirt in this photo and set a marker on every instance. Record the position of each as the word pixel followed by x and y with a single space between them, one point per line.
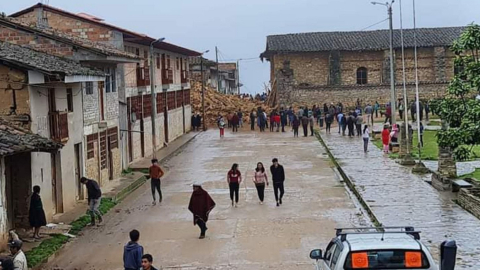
pixel 19 259
pixel 366 137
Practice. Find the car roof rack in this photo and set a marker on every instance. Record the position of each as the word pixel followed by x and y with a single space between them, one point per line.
pixel 410 230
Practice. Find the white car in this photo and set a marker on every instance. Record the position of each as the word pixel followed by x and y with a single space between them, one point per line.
pixel 380 248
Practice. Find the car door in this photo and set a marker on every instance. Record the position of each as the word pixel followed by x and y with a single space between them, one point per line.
pixel 329 252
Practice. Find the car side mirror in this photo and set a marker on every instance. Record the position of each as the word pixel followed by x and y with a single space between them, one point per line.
pixel 316 254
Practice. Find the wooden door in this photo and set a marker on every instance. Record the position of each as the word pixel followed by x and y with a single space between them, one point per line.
pixel 57 189
pixel 110 158
pixel 78 171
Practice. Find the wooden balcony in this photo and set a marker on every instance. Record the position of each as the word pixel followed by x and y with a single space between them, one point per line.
pixel 58 126
pixel 167 76
pixel 143 76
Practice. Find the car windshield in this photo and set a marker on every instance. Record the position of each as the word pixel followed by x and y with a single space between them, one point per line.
pixel 387 259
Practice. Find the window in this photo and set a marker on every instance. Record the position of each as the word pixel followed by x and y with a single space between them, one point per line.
pixel 158 61
pixel 168 62
pixel 335 256
pixel 362 75
pixel 89 88
pixel 178 63
pixel 137 51
pixel 110 80
pixel 69 100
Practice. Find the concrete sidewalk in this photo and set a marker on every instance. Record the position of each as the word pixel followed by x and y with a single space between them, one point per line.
pixel 399 198
pixel 166 152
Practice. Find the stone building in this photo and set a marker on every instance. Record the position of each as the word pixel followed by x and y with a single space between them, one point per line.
pixel 41 95
pixel 98 112
pixel 324 67
pixel 171 82
pixel 223 77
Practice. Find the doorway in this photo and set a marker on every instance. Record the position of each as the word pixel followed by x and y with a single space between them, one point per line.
pixel 78 171
pixel 110 158
pixel 18 176
pixel 57 189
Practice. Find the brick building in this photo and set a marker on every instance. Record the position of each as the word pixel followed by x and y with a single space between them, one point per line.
pixel 134 105
pixel 324 67
pixel 40 94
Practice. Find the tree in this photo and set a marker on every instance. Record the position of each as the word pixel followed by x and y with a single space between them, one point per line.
pixel 460 108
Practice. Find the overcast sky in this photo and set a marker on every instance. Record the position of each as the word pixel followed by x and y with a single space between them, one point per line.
pixel 239 27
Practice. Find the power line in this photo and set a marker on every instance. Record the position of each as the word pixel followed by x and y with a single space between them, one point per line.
pixel 374 24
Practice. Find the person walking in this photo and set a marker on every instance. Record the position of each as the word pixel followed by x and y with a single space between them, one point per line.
pixel 156 173
pixel 376 107
pixel 305 126
pixel 427 110
pixel 413 111
pixel 388 114
pixel 311 122
pixel 328 121
pixel 339 119
pixel 290 115
pixel 272 121
pixel 235 121
pixel 253 116
pixel 366 138
pixel 350 125
pixel 283 119
pixel 19 258
pixel 260 179
pixel 265 116
pixel 295 126
pixel 234 178
pixel 278 178
pixel 421 134
pixel 343 124
pixel 358 123
pixel 147 262
pixel 133 252
pixel 94 199
pixel 198 121
pixel 277 120
pixel 201 204
pixel 401 108
pixel 240 118
pixel 36 215
pixel 369 114
pixel 221 126
pixel 385 138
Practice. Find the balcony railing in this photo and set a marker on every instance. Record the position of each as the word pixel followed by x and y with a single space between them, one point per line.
pixel 184 76
pixel 143 76
pixel 167 77
pixel 59 126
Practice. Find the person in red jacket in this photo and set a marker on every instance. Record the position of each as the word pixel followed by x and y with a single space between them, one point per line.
pixel 277 121
pixel 235 122
pixel 385 138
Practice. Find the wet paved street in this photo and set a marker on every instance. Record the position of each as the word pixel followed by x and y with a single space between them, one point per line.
pixel 252 236
pixel 399 198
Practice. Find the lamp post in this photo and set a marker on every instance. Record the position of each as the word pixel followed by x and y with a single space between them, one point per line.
pixel 392 71
pixel 203 89
pixel 153 97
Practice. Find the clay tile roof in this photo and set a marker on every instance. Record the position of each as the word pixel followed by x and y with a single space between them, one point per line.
pixel 360 40
pixel 14 140
pixel 129 35
pixel 68 38
pixel 43 62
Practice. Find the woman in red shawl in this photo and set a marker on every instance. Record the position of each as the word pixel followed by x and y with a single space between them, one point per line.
pixel 200 205
pixel 385 138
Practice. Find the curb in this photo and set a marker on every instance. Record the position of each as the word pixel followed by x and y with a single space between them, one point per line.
pixel 128 190
pixel 173 153
pixel 350 184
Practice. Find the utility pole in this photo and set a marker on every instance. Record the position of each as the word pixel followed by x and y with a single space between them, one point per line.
pixel 238 76
pixel 203 90
pixel 153 97
pixel 392 71
pixel 218 72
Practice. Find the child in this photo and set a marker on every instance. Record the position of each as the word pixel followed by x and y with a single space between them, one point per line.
pixel 133 252
pixel 221 126
pixel 385 138
pixel 421 134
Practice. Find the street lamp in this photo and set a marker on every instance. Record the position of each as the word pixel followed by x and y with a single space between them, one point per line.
pixel 153 97
pixel 203 89
pixel 392 72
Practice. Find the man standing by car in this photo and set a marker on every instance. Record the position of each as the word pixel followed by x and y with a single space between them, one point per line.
pixel 94 198
pixel 278 177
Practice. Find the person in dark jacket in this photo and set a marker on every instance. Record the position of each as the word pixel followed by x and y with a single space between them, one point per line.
pixel 133 252
pixel 147 262
pixel 295 125
pixel 94 198
pixel 235 122
pixel 194 122
pixel 351 125
pixel 253 116
pixel 278 177
pixel 283 119
pixel 201 204
pixel 36 214
pixel 305 125
pixel 198 121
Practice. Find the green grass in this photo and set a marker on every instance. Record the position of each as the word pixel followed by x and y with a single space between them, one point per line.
pixel 435 123
pixel 430 146
pixel 475 175
pixel 127 171
pixel 49 246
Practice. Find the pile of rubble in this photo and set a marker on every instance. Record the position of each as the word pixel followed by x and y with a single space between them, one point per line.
pixel 217 103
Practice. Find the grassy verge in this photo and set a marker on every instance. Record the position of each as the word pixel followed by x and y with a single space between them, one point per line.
pixel 49 246
pixel 475 175
pixel 430 146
